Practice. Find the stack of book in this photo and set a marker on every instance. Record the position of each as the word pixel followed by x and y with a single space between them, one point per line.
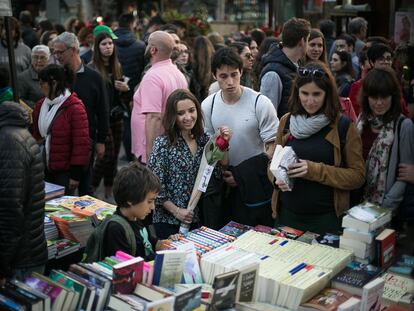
pixel 53 191
pixel 87 206
pixel 361 225
pixel 204 239
pixel 72 227
pixel 53 205
pixel 51 233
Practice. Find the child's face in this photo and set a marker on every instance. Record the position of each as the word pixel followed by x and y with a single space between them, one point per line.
pixel 144 208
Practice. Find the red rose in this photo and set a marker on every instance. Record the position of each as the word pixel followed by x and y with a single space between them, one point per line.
pixel 221 143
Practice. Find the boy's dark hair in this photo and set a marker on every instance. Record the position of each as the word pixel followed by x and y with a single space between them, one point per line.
pixel 125 20
pixel 133 183
pixel 4 76
pixel 348 39
pixel 356 24
pixel 381 83
pixel 226 56
pixel 294 30
pixel 327 27
pixel 377 51
pixel 362 57
pixel 62 75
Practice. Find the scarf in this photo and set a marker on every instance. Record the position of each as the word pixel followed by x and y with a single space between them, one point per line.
pixel 302 126
pixel 147 245
pixel 376 166
pixel 47 114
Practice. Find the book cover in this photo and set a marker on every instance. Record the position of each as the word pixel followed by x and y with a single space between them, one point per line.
pixel 352 304
pixel 188 299
pixel 191 272
pixel 371 295
pixel 87 206
pixel 225 288
pixel 21 296
pixel 398 289
pixel 9 304
pixel 168 268
pixel 309 237
pixel 404 265
pixel 288 232
pixel 282 158
pixel 354 276
pixel 45 298
pixel 235 229
pixel 247 283
pixel 69 283
pixel 327 300
pixel 126 275
pixel 265 229
pixel 366 217
pixel 57 294
pixel 329 239
pixel 385 244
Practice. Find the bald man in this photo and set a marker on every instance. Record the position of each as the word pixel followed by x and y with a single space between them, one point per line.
pixel 150 99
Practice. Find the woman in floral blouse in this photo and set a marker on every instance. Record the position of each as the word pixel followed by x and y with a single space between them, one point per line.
pixel 387 138
pixel 175 159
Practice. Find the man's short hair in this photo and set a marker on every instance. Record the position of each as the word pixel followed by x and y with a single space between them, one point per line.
pixel 377 51
pixel 226 56
pixel 327 27
pixel 125 20
pixel 348 39
pixel 133 183
pixel 294 30
pixel 69 39
pixel 356 24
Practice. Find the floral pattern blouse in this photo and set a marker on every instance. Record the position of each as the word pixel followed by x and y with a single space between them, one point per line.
pixel 177 168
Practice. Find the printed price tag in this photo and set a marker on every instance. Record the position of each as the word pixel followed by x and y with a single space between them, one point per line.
pixel 202 186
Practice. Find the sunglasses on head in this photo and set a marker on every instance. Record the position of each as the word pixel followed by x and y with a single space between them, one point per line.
pixel 311 72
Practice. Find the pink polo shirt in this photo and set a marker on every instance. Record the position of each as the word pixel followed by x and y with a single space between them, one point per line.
pixel 158 83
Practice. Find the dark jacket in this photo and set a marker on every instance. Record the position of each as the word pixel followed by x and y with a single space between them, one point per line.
pixel 277 61
pixel 22 239
pixel 131 55
pixel 69 145
pixel 91 90
pixel 28 87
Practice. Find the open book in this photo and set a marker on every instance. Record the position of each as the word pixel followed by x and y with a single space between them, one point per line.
pixel 282 159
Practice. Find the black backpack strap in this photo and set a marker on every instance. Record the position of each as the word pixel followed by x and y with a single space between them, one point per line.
pixel 212 105
pixel 343 126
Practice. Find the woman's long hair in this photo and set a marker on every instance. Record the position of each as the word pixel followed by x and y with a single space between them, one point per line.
pixel 172 131
pixel 202 56
pixel 380 83
pixel 98 62
pixel 346 58
pixel 320 74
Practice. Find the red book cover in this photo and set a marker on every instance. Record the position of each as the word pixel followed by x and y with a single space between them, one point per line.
pixel 126 275
pixel 385 247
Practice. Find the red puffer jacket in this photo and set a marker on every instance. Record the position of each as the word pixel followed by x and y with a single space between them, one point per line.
pixel 69 145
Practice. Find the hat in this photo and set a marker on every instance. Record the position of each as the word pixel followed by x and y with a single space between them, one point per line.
pixel 102 28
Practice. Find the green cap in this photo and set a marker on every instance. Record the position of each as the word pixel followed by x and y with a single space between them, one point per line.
pixel 102 28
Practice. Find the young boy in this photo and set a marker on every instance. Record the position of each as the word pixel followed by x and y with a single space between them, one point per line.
pixel 135 190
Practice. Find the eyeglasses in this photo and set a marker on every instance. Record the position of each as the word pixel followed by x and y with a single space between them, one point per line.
pixel 311 72
pixel 39 57
pixel 59 53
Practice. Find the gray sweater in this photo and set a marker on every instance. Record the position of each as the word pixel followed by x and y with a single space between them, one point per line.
pixel 404 140
pixel 22 56
pixel 252 126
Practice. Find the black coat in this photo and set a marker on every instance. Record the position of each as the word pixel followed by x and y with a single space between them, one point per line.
pixel 22 239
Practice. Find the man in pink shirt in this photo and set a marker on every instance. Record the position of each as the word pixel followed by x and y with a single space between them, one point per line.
pixel 150 99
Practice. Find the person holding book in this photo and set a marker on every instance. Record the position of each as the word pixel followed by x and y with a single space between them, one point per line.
pixel 135 191
pixel 175 159
pixel 387 138
pixel 329 153
pixel 60 126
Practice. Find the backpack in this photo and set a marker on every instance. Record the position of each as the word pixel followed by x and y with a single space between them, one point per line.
pixel 94 246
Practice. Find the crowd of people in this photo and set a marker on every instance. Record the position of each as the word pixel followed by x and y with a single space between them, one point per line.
pixel 342 103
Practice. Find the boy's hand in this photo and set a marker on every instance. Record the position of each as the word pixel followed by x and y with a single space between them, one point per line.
pixel 406 173
pixel 162 245
pixel 174 237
